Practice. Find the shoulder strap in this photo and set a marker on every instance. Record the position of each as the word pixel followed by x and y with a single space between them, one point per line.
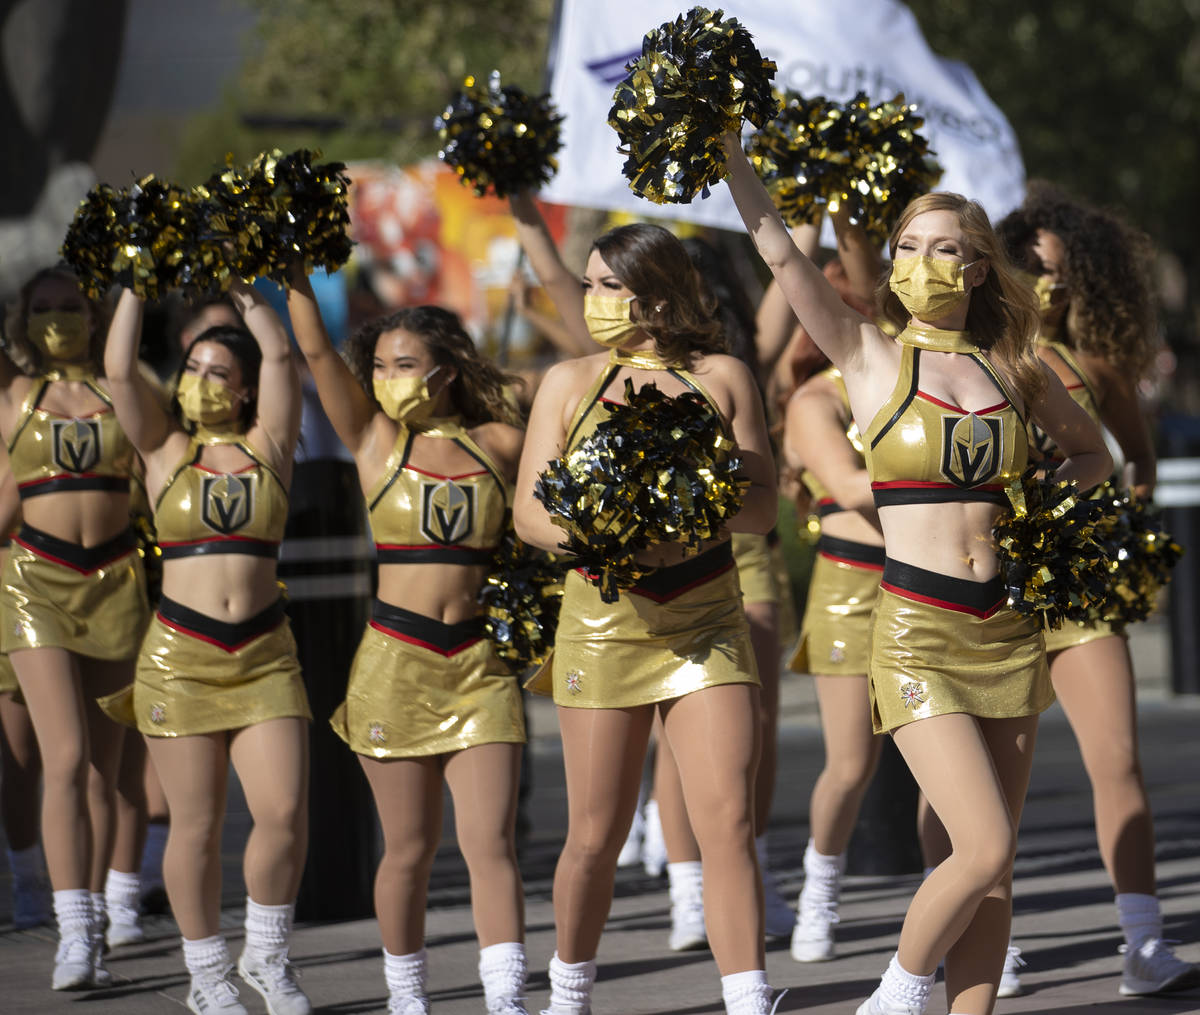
pixel 468 444
pixel 1001 385
pixel 396 461
pixel 589 399
pixel 195 448
pixel 902 394
pixel 28 406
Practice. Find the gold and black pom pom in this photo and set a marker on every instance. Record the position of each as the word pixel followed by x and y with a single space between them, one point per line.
pixel 499 138
pixel 1141 555
pixel 697 78
pixel 1051 562
pixel 659 469
pixel 277 211
pixel 521 599
pixel 869 160
pixel 140 237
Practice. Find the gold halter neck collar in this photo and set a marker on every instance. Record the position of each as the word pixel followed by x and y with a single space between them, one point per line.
pixel 203 435
pixel 71 372
pixel 936 340
pixel 439 426
pixel 639 360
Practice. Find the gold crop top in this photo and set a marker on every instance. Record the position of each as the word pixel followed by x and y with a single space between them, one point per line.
pixel 825 504
pixel 591 410
pixel 1080 389
pixel 921 450
pixel 421 517
pixel 51 452
pixel 202 510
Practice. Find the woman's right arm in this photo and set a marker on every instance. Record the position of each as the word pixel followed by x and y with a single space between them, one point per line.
pixel 348 407
pixel 137 402
pixel 544 440
pixel 836 329
pixel 563 286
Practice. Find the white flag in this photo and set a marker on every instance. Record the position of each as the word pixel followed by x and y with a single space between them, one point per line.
pixel 822 47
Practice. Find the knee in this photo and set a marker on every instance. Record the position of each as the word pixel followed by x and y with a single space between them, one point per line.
pixel 66 768
pixel 286 816
pixel 724 825
pixel 850 774
pixel 409 854
pixel 593 847
pixel 486 847
pixel 194 837
pixel 989 854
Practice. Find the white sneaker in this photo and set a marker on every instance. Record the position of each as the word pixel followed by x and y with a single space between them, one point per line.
pixel 631 852
pixel 408 1004
pixel 214 994
pixel 101 977
pixel 32 903
pixel 876 1005
pixel 1154 969
pixel 778 916
pixel 72 963
pixel 812 936
pixel 275 979
pixel 654 846
pixel 687 908
pixel 507 1006
pixel 1010 979
pixel 555 1009
pixel 124 927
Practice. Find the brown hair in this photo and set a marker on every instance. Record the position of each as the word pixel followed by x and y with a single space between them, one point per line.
pixel 1110 310
pixel 653 264
pixel 479 391
pixel 1003 316
pixel 24 355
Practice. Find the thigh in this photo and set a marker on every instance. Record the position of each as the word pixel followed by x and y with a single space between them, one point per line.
pixel 51 684
pixel 845 705
pixel 18 745
pixel 763 618
pixel 603 753
pixel 483 782
pixel 194 772
pixel 1011 743
pixel 1095 685
pixel 714 735
pixel 408 797
pixel 271 760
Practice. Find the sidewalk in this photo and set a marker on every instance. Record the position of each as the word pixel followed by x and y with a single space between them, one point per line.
pixel 1065 922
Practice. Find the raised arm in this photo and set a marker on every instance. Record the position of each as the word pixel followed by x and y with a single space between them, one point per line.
pixel 278 379
pixel 775 321
pixel 1076 435
pixel 349 408
pixel 563 286
pixel 138 405
pixel 835 328
pixel 566 341
pixel 860 257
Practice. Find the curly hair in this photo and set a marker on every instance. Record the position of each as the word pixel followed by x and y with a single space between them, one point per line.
pixel 652 263
pixel 25 356
pixel 1110 305
pixel 242 344
pixel 479 391
pixel 1002 317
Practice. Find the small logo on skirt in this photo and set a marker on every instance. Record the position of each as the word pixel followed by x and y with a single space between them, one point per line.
pixel 376 733
pixel 158 713
pixel 912 694
pixel 837 654
pixel 574 681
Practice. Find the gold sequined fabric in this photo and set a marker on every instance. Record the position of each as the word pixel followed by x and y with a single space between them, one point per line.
pixel 404 700
pixel 637 651
pixel 46 604
pixel 1073 633
pixel 835 635
pixel 758 580
pixel 187 685
pixel 8 677
pixel 927 660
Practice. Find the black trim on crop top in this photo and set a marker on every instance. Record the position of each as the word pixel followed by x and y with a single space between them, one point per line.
pixel 603 386
pixel 851 552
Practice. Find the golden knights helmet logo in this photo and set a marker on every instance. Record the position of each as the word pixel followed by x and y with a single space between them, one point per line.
pixel 447 511
pixel 76 444
pixel 227 502
pixel 971 449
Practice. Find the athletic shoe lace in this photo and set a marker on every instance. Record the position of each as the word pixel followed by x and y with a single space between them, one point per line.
pixel 218 988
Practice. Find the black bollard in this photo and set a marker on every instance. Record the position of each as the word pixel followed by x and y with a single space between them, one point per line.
pixel 325 561
pixel 1178 493
pixel 885 840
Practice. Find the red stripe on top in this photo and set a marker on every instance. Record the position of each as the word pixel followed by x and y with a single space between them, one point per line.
pixel 225 472
pixel 221 539
pixel 435 475
pixel 64 415
pixel 959 409
pixel 915 484
pixel 74 567
pixel 942 603
pixel 67 475
pixel 188 632
pixel 424 644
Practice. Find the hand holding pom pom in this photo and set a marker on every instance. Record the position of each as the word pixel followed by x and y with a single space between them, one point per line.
pixel 697 79
pixel 521 599
pixel 499 138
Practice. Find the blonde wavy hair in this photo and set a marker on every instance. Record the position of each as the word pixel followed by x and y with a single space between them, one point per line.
pixel 1003 314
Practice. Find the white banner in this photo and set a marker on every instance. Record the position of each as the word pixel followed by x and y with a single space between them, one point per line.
pixel 822 47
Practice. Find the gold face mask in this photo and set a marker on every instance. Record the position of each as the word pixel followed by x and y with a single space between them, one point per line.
pixel 929 287
pixel 1045 289
pixel 607 318
pixel 405 399
pixel 59 335
pixel 206 401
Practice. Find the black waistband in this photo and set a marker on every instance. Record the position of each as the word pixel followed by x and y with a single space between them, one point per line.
pixel 851 551
pixel 433 554
pixel 935 493
pixel 666 583
pixel 220 544
pixel 828 506
pixel 228 636
pixel 416 627
pixel 82 558
pixel 56 484
pixel 941 590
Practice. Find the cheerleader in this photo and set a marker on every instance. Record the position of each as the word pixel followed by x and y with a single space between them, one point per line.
pixel 429 702
pixel 218 680
pixel 677 643
pixel 1098 336
pixel 74 600
pixel 955 676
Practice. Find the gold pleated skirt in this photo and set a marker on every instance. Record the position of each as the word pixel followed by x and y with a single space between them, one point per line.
pixel 187 683
pixel 61 601
pixel 686 631
pixel 1072 634
pixel 835 635
pixel 941 645
pixel 408 698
